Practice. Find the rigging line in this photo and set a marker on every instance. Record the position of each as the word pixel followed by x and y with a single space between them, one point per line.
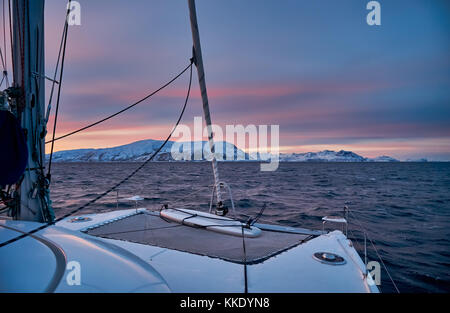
pixel 49 106
pixel 251 221
pixel 24 235
pixel 245 261
pixel 22 57
pixel 376 250
pixel 4 33
pixel 4 40
pixel 124 109
pixel 10 35
pixel 4 27
pixel 5 65
pixel 21 45
pixel 66 27
pixel 3 61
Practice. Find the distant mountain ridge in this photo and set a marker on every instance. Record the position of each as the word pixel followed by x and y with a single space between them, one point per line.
pixel 142 150
pixel 332 156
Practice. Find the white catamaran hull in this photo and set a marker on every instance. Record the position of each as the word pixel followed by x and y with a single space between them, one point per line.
pixel 54 256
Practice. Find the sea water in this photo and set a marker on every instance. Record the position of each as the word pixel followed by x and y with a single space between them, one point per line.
pixel 404 207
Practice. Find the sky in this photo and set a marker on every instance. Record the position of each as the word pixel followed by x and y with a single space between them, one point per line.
pixel 316 68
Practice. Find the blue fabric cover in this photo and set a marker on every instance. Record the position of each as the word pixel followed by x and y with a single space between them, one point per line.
pixel 14 152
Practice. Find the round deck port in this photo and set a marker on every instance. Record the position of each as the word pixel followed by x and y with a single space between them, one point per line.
pixel 329 258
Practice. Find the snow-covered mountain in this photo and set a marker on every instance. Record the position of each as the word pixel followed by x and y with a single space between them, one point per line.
pixel 332 156
pixel 141 150
pixel 383 158
pixel 417 160
pixel 323 156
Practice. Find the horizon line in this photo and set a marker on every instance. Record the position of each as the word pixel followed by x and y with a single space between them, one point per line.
pixel 417 159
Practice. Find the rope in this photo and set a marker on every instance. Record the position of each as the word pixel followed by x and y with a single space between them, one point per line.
pixel 245 261
pixel 49 106
pixel 5 61
pixel 376 251
pixel 123 110
pixel 252 221
pixel 66 31
pixel 4 31
pixel 21 42
pixel 10 34
pixel 116 185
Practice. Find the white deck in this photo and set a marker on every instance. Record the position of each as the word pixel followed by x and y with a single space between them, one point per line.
pixel 113 265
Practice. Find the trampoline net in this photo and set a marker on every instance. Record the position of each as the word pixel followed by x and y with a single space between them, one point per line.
pixel 151 229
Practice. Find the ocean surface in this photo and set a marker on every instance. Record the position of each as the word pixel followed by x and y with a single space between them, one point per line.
pixel 404 207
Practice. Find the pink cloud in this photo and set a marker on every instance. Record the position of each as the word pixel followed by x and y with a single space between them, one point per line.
pixel 278 90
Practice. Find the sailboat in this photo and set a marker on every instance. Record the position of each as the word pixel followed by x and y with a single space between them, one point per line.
pixel 142 250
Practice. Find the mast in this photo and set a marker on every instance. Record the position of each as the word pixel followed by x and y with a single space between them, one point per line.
pixel 28 62
pixel 198 60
